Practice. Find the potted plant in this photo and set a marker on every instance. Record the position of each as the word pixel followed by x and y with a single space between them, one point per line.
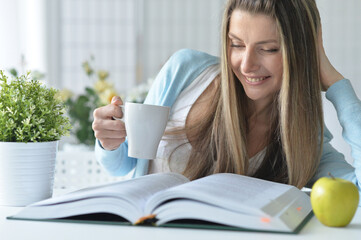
pixel 31 124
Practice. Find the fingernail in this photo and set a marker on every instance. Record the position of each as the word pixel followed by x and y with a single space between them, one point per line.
pixel 115 98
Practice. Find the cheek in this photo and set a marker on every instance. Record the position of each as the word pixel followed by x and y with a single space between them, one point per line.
pixel 275 66
pixel 235 62
pixel 279 72
pixel 278 75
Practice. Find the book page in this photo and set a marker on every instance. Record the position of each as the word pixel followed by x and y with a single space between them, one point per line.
pixel 205 212
pixel 129 195
pixel 136 190
pixel 230 191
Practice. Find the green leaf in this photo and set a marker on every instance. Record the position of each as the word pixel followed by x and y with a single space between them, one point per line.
pixel 13 72
pixel 90 91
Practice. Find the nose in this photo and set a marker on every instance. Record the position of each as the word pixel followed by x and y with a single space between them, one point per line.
pixel 249 61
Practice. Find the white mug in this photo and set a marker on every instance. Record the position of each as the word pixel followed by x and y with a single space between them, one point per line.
pixel 145 125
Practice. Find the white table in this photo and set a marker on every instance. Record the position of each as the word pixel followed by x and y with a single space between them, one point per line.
pixel 30 230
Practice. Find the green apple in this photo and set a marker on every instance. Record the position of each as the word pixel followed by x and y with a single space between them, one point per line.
pixel 334 201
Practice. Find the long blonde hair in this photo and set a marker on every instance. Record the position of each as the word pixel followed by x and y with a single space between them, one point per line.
pixel 293 142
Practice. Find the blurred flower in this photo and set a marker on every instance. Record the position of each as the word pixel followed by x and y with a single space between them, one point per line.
pixel 102 75
pixel 102 85
pixel 104 89
pixel 81 107
pixel 87 68
pixel 107 95
pixel 64 94
pixel 140 92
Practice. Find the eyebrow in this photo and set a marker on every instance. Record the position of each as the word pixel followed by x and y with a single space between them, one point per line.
pixel 258 43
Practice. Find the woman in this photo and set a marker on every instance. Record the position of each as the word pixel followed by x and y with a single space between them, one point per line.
pixel 257 113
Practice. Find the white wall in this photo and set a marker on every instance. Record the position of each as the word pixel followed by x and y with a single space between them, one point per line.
pixel 172 25
pixel 9 40
pixel 22 26
pixel 103 29
pixel 130 38
pixel 341 21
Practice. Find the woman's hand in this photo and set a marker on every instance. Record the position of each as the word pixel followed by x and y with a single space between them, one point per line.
pixel 329 75
pixel 111 133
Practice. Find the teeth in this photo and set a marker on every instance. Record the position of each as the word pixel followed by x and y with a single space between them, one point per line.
pixel 255 79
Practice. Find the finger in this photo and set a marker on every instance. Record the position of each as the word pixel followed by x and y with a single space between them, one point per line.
pixel 116 100
pixel 107 112
pixel 108 134
pixel 101 124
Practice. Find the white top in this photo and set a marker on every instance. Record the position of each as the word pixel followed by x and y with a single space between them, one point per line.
pixel 178 116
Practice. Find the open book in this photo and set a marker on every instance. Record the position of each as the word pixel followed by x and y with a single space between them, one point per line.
pixel 221 201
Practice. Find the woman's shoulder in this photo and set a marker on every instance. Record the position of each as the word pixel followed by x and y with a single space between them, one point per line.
pixel 190 57
pixel 192 53
pixel 182 68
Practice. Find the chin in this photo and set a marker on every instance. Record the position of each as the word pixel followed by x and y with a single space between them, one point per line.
pixel 259 97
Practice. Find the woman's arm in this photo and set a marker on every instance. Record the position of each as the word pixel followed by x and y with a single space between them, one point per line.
pixel 340 92
pixel 115 162
pixel 178 72
pixel 348 108
pixel 329 75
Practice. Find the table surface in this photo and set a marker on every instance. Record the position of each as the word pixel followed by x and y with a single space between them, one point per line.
pixel 33 230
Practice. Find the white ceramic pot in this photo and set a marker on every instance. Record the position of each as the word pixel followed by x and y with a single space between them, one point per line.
pixel 26 172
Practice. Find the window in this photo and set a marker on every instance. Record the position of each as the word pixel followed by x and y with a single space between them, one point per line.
pixel 131 39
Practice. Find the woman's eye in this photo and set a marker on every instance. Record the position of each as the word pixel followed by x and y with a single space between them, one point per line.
pixel 236 45
pixel 271 50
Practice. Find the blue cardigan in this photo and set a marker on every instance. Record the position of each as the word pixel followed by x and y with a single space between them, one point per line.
pixel 185 65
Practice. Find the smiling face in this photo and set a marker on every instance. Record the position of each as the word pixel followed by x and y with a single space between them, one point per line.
pixel 255 55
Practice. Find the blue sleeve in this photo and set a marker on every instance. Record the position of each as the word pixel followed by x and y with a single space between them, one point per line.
pixel 115 162
pixel 348 108
pixel 178 72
